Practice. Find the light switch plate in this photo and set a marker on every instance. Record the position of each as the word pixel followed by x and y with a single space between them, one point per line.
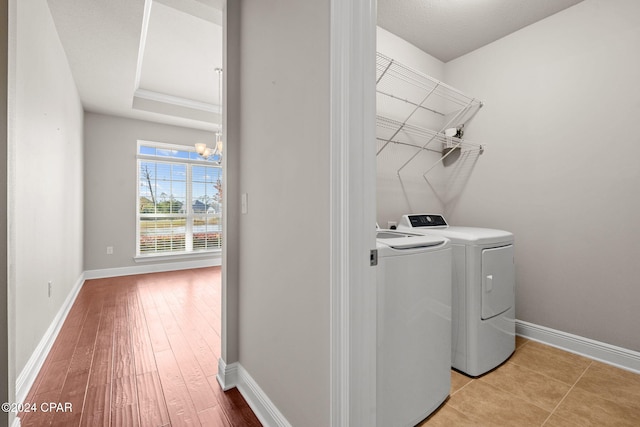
pixel 244 203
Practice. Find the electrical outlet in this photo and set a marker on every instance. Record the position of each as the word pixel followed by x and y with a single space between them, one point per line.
pixel 49 288
pixel 109 250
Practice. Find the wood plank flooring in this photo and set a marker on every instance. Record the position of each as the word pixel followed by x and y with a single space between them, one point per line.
pixel 140 351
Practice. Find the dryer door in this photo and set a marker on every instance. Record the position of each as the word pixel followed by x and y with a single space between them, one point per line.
pixel 498 281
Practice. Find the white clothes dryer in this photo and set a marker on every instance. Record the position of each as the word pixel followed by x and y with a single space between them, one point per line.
pixel 413 326
pixel 483 289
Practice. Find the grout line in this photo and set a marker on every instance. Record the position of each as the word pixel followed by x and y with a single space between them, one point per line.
pixel 525 342
pixel 543 374
pixel 465 385
pixel 567 393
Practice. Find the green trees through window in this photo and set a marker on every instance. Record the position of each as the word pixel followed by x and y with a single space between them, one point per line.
pixel 179 200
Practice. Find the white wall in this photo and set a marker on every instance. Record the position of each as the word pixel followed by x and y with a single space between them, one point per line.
pixel 46 185
pixel 284 271
pixel 408 193
pixel 110 184
pixel 561 168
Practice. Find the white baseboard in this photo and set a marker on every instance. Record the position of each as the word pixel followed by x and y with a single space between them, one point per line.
pixel 152 268
pixel 234 375
pixel 34 364
pixel 262 406
pixel 227 375
pixel 617 356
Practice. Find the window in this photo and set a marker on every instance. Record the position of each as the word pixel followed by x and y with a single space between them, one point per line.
pixel 179 200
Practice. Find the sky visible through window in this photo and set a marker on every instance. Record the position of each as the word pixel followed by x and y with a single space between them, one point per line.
pixel 180 200
pixel 168 181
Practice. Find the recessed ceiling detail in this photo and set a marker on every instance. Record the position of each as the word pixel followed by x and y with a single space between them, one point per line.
pixel 178 55
pixel 151 60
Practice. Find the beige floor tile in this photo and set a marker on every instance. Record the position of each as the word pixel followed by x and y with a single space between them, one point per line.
pixel 458 381
pixel 520 341
pixel 556 421
pixel 588 409
pixel 612 383
pixel 489 406
pixel 448 417
pixel 550 361
pixel 528 385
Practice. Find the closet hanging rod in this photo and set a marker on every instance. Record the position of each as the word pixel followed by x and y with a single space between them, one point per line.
pixel 413 130
pixel 410 145
pixel 419 132
pixel 479 147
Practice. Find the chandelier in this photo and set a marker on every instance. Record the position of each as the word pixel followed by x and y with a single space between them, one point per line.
pixel 201 148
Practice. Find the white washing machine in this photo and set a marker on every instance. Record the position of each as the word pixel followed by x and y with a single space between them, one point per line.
pixel 483 321
pixel 413 326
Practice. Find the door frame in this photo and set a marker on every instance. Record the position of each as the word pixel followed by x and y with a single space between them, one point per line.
pixel 352 209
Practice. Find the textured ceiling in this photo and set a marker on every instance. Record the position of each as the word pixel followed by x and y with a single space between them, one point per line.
pixel 447 29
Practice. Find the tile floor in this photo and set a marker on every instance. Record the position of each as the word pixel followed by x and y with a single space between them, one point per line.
pixel 542 386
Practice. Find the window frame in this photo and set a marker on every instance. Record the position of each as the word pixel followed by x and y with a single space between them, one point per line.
pixel 189 215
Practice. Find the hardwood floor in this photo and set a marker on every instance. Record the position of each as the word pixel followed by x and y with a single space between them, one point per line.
pixel 140 351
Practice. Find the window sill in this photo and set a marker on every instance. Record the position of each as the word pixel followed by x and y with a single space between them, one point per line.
pixel 215 254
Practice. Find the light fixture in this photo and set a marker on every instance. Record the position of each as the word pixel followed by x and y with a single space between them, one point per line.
pixel 201 148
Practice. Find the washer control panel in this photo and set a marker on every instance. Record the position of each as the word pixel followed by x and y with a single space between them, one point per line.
pixel 425 220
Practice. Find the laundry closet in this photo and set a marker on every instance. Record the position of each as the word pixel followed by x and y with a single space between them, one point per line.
pixel 422 157
pixel 548 152
pixel 469 323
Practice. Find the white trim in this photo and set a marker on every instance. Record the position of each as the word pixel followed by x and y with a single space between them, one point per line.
pixel 234 375
pixel 34 364
pixel 339 315
pixel 214 254
pixel 209 11
pixel 164 98
pixel 168 146
pixel 152 268
pixel 353 176
pixel 603 352
pixel 227 375
pixel 143 41
pixel 258 401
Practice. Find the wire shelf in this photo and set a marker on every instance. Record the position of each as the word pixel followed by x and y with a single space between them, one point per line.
pixel 403 83
pixel 426 107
